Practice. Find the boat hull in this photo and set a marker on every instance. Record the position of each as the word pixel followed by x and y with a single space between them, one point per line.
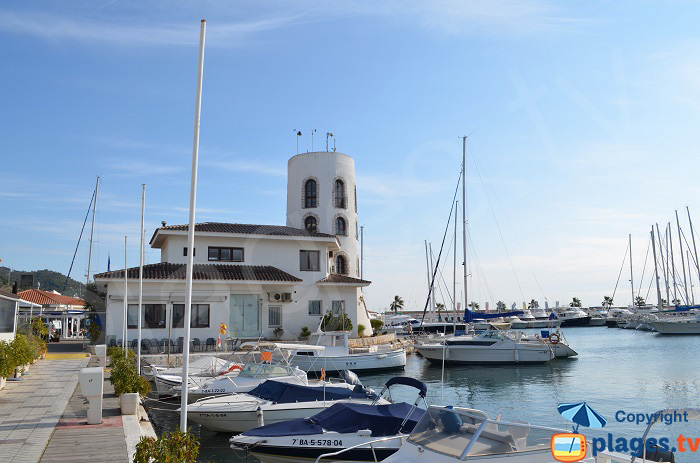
pixel 243 420
pixel 677 327
pixel 475 355
pixel 578 321
pixel 389 360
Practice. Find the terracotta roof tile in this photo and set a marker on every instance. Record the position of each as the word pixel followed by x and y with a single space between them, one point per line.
pixel 247 229
pixel 169 271
pixel 38 296
pixel 337 278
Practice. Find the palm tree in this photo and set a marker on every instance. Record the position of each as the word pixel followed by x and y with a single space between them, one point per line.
pixel 607 301
pixel 576 302
pixel 501 306
pixel 397 304
pixel 474 305
pixel 676 301
pixel 639 301
pixel 533 304
pixel 439 307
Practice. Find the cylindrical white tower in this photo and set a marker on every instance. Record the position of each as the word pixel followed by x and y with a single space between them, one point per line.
pixel 321 196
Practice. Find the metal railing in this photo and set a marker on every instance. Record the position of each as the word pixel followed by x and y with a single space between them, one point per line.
pixel 364 444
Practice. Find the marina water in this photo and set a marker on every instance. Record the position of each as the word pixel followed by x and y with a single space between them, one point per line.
pixel 616 370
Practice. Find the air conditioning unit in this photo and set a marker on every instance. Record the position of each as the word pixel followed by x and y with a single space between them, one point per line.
pixel 279 297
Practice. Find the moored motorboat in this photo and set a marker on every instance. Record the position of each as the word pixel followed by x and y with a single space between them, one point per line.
pixel 341 426
pixel 487 348
pixel 273 402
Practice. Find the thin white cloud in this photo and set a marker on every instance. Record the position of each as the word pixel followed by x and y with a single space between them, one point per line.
pixel 54 27
pixel 141 168
pixel 247 166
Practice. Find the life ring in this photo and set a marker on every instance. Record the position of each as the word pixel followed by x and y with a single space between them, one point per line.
pixel 233 367
pixel 554 338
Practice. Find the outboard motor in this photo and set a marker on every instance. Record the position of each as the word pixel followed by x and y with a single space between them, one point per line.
pixel 657 454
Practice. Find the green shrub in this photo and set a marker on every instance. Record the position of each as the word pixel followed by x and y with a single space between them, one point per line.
pixel 8 360
pixel 360 330
pixel 332 322
pixel 22 350
pixel 38 328
pixel 124 376
pixel 376 325
pixel 171 447
pixel 94 331
pixel 305 333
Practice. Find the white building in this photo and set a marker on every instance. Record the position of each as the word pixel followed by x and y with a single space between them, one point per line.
pixel 9 303
pixel 257 279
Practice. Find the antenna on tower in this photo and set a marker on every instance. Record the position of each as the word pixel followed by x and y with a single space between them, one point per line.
pixel 328 134
pixel 298 132
pixel 313 131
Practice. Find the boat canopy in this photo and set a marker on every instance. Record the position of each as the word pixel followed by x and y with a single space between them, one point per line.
pixel 382 420
pixel 470 316
pixel 284 393
pixel 413 382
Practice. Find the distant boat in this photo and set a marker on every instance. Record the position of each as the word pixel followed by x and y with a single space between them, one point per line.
pixel 680 325
pixel 487 348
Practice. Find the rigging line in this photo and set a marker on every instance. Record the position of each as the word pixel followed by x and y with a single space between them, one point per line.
pixel 498 227
pixel 79 238
pixel 510 227
pixel 442 246
pixel 442 278
pixel 651 281
pixel 688 246
pixel 624 259
pixel 641 280
pixel 478 266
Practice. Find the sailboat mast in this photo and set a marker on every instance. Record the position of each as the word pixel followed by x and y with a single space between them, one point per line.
pixel 92 229
pixel 126 290
pixel 432 272
pixel 631 273
pixel 680 246
pixel 427 271
pixel 664 264
pixel 656 270
pixel 690 279
pixel 464 217
pixel 143 238
pixel 454 274
pixel 673 265
pixel 695 249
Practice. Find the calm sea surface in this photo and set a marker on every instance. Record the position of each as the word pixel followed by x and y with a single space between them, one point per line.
pixel 616 369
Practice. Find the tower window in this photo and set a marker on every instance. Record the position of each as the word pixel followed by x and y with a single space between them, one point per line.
pixel 341 227
pixel 311 195
pixel 340 265
pixel 340 194
pixel 310 224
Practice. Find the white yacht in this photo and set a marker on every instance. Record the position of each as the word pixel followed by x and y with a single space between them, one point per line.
pixel 677 325
pixel 572 316
pixel 343 425
pixel 489 347
pixel 329 351
pixel 273 402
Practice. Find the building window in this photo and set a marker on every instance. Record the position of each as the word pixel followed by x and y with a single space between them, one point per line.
pixel 199 318
pixel 340 194
pixel 225 254
pixel 315 308
pixel 309 261
pixel 154 316
pixel 132 314
pixel 274 316
pixel 7 316
pixel 184 252
pixel 341 227
pixel 338 307
pixel 340 265
pixel 310 193
pixel 310 224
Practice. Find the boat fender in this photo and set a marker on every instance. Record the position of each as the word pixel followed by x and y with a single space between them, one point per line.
pixel 554 338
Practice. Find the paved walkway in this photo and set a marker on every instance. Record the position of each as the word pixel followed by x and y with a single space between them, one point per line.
pixel 30 409
pixel 43 417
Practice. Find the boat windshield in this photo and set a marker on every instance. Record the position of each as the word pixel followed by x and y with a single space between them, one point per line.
pixel 491 334
pixel 463 433
pixel 264 370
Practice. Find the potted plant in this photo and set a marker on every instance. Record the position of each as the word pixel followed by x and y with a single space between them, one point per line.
pixel 305 333
pixel 7 362
pixel 128 384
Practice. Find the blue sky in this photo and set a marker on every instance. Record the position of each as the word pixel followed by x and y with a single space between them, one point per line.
pixel 582 119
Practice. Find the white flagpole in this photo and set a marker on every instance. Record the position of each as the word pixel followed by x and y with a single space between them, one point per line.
pixel 126 288
pixel 143 213
pixel 190 231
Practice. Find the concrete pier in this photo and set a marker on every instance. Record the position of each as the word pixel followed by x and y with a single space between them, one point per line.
pixel 43 417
